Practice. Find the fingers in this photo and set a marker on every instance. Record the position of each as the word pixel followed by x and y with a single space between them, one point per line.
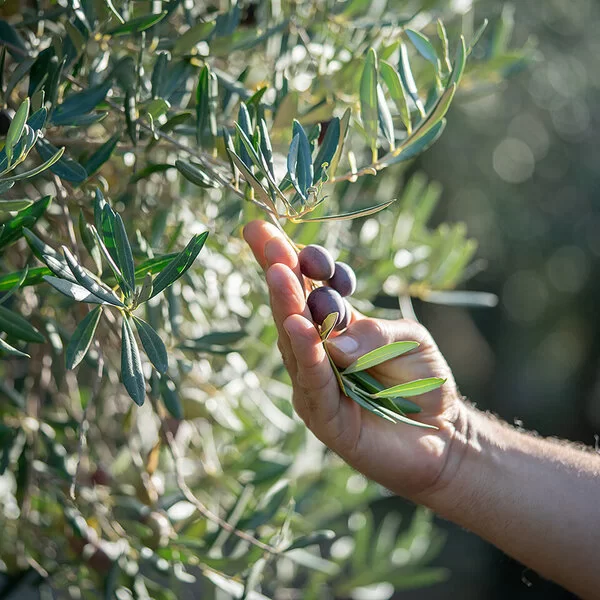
pixel 365 335
pixel 257 234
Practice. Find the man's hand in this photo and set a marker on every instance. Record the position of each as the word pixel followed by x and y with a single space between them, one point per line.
pixel 411 461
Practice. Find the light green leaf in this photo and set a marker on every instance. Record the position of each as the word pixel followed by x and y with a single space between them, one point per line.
pixel 198 33
pixel 72 290
pixel 408 81
pixel 391 78
pixel 14 205
pixel 16 287
pixel 194 174
pixel 153 345
pixel 137 24
pixel 36 170
pixel 412 388
pixel 355 214
pixel 82 338
pixel 379 355
pixel 368 98
pixel 385 118
pixel 16 128
pixel 459 62
pixel 328 325
pixel 424 47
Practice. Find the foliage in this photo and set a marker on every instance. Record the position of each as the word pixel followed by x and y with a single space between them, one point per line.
pixel 134 130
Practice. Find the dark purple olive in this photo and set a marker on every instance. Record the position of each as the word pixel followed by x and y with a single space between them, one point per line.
pixel 324 301
pixel 316 263
pixel 345 320
pixel 343 280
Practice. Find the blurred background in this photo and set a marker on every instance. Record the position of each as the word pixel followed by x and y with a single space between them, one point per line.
pixel 520 167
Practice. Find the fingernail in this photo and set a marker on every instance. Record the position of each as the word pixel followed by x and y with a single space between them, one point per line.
pixel 344 343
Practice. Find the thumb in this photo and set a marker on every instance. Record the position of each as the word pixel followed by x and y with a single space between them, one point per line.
pixel 368 334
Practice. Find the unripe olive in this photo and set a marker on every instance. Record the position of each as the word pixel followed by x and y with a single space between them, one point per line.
pixel 343 280
pixel 324 301
pixel 316 263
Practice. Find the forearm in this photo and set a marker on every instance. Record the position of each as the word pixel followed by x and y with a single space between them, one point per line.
pixel 538 500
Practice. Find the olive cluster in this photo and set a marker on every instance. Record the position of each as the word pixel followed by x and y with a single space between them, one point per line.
pixel 340 281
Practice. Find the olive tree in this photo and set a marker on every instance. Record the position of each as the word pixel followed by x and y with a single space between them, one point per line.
pixel 147 443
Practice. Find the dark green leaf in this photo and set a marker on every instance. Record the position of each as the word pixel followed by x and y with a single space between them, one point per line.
pixel 80 103
pixel 132 375
pixel 459 62
pixel 16 287
pixel 8 349
pixel 82 338
pixel 124 255
pixel 171 399
pixel 193 174
pixel 258 188
pixel 26 218
pixel 72 290
pixel 38 119
pixel 198 33
pixel 55 262
pixel 158 73
pixel 137 24
pixel 246 126
pixel 316 537
pixel 206 104
pixel 368 98
pixel 153 345
pixel 15 44
pixel 266 147
pixel 16 326
pixel 179 265
pixel 328 148
pixel 415 148
pixel 36 170
pixel 88 281
pixel 96 160
pixel 66 168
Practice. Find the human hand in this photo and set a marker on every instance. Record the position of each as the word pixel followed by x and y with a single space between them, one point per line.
pixel 410 461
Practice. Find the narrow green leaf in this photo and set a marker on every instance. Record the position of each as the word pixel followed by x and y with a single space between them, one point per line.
pixel 96 160
pixel 265 146
pixel 132 375
pixel 16 326
pixel 311 539
pixel 146 290
pixel 364 403
pixel 88 281
pixel 36 170
pixel 66 168
pixel 15 287
pixel 179 265
pixel 206 104
pixel 72 290
pixel 170 398
pixel 477 36
pixel 392 81
pixel 80 103
pixel 82 338
pixel 355 214
pixel 108 230
pixel 194 174
pixel 443 35
pixel 8 349
pixel 344 127
pixel 50 257
pixel 13 229
pixel 38 119
pixel 385 118
pixel 198 33
pixel 328 148
pixel 16 128
pixel 124 255
pixel 137 24
pixel 254 578
pixel 459 62
pixel 379 355
pixel 153 345
pixel 408 81
pixel 328 325
pixel 249 177
pixel 368 98
pixel 14 205
pixel 437 114
pixel 370 385
pixel 424 47
pixel 415 148
pixel 304 166
pixel 412 388
pixel 245 124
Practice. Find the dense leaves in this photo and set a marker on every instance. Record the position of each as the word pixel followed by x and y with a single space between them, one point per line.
pixel 130 132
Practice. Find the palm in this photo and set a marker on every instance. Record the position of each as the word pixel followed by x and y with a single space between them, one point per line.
pixel 406 459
